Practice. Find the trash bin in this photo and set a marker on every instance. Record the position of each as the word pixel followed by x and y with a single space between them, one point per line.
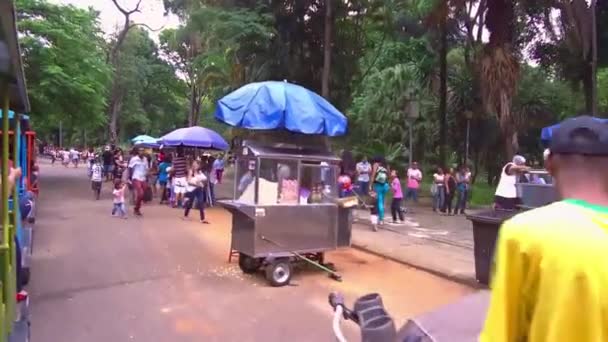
pixel 536 195
pixel 485 231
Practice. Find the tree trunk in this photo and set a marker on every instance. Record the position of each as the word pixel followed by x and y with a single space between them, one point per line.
pixel 588 85
pixel 193 105
pixel 327 50
pixel 113 111
pixel 443 93
pixel 113 60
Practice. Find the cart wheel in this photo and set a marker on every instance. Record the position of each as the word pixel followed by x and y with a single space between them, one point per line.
pixel 248 264
pixel 278 272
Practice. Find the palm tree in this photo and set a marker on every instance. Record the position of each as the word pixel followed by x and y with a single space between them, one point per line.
pixel 497 63
pixel 499 69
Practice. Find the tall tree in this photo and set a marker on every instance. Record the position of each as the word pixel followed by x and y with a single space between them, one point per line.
pixel 227 56
pixel 117 93
pixel 64 64
pixel 153 94
pixel 499 66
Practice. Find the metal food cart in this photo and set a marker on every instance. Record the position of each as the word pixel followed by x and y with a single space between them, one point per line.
pixel 285 207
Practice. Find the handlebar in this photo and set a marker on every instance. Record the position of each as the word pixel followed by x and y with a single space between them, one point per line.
pixel 368 313
pixel 338 312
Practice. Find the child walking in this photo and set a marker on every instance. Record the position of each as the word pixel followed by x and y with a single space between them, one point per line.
pixel 96 178
pixel 397 197
pixel 119 209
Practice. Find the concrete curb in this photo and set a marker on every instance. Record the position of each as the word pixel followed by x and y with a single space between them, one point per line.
pixel 467 281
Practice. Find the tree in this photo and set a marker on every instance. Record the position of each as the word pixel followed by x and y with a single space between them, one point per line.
pixel 116 92
pixel 225 58
pixel 152 93
pixel 568 52
pixel 64 64
pixel 500 69
pixel 327 42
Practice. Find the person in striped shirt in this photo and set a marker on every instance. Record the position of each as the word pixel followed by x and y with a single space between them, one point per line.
pixel 180 174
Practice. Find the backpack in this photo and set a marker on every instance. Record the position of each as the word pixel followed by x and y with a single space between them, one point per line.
pixel 381 176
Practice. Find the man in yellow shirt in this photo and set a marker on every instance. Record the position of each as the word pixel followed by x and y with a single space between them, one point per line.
pixel 551 277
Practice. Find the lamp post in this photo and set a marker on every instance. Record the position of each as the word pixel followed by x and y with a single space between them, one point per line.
pixel 469 115
pixel 412 112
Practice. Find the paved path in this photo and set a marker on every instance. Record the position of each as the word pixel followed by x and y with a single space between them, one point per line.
pixel 96 278
pixel 436 243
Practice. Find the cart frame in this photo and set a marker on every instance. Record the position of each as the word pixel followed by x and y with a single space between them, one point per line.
pixel 273 235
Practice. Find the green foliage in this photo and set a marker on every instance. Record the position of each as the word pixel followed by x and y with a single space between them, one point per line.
pixel 64 64
pixel 394 153
pixel 602 90
pixel 154 99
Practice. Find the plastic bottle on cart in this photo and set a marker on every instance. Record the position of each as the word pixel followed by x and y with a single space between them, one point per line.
pixel 327 193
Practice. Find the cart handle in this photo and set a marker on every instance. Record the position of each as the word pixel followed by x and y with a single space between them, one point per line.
pixel 338 314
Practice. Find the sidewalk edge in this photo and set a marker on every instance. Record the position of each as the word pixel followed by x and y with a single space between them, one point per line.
pixel 455 278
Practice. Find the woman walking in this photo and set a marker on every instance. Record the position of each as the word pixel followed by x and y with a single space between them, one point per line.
pixel 450 190
pixel 463 184
pixel 438 189
pixel 163 178
pixel 196 184
pixel 381 187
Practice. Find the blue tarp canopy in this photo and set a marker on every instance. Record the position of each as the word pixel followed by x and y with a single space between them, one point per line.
pixel 280 105
pixel 547 132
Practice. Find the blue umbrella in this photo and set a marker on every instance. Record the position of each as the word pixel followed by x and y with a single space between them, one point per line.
pixel 280 105
pixel 194 137
pixel 547 132
pixel 146 141
pixel 143 139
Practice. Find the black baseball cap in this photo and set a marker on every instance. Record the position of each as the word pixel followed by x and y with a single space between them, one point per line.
pixel 585 135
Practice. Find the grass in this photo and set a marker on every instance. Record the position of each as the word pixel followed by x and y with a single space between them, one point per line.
pixel 482 193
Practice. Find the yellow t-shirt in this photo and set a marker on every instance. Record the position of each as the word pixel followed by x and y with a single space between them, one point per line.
pixel 551 280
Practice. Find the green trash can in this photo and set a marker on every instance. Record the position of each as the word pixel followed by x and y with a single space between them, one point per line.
pixel 486 225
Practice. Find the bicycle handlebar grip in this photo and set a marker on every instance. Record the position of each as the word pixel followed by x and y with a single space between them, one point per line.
pixel 336 299
pixel 379 329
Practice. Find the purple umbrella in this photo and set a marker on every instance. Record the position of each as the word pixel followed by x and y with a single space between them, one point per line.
pixel 195 136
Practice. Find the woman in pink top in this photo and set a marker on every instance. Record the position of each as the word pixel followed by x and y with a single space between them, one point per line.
pixel 397 197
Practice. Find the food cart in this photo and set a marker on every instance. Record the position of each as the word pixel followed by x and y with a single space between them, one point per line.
pixel 284 206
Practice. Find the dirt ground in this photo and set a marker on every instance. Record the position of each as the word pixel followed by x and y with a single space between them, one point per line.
pixel 158 278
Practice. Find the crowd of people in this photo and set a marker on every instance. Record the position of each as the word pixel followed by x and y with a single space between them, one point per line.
pixel 179 179
pixel 450 189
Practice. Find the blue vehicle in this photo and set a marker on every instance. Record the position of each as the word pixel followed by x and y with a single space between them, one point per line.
pixel 14 317
pixel 21 152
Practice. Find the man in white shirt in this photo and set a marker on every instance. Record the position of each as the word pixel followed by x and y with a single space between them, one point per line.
pixel 364 169
pixel 138 174
pixel 74 156
pixel 506 191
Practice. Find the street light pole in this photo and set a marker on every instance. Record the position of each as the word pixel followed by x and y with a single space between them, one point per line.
pixel 60 134
pixel 411 148
pixel 468 115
